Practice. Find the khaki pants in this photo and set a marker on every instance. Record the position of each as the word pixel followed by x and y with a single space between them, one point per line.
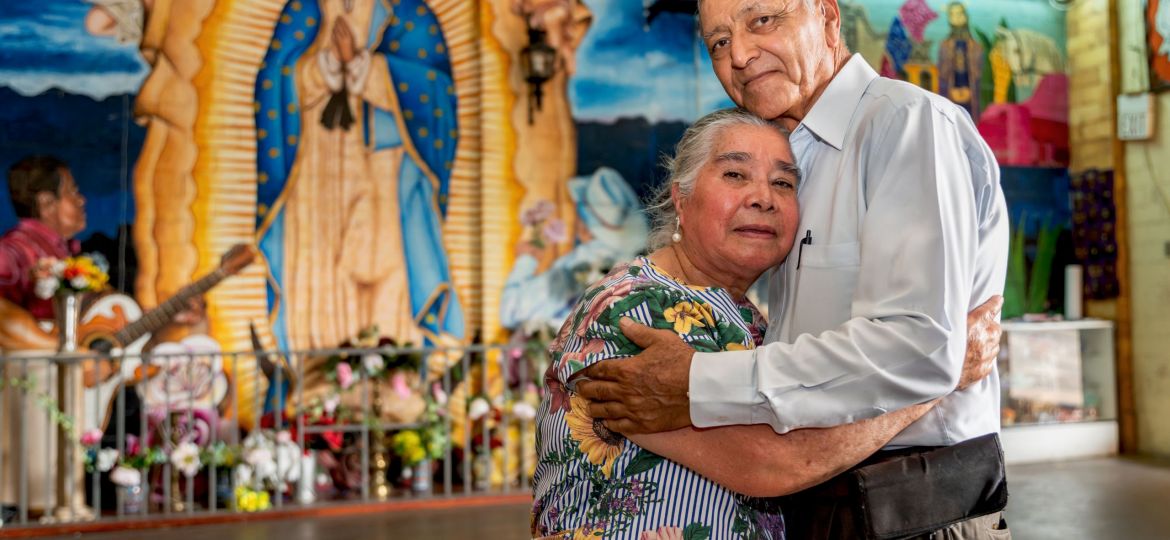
pixel 989 527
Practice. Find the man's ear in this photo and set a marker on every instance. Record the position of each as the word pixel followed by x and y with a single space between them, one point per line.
pixel 45 201
pixel 831 13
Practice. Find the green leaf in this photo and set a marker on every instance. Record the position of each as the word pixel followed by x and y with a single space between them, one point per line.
pixel 624 305
pixel 696 531
pixel 1016 289
pixel 641 463
pixel 575 366
pixel 704 345
pixel 635 270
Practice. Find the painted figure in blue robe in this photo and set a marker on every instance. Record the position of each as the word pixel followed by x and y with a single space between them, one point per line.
pixel 960 62
pixel 356 135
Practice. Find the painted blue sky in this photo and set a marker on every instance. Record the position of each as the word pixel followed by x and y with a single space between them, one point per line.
pixel 625 69
pixel 45 45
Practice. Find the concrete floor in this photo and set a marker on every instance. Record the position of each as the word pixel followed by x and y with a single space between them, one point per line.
pixel 1090 500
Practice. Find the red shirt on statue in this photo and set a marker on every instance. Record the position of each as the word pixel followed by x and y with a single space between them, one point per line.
pixel 20 249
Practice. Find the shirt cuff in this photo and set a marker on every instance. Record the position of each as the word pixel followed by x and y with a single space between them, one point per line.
pixel 723 389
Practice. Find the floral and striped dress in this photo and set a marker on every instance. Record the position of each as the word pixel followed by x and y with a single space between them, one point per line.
pixel 593 483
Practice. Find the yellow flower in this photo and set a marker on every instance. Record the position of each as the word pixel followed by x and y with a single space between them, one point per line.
pixel 734 347
pixel 587 534
pixel 600 445
pixel 686 315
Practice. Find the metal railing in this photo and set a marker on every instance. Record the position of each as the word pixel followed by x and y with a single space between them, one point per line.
pixel 183 423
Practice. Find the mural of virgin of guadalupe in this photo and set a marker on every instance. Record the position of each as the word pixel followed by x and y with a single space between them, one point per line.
pixel 356 130
pixel 960 62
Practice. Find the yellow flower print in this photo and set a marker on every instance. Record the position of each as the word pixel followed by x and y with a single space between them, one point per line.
pixel 686 315
pixel 600 445
pixel 734 347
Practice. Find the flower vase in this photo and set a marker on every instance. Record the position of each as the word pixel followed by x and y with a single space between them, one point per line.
pixel 307 490
pixel 479 471
pixel 421 481
pixel 67 310
pixel 133 499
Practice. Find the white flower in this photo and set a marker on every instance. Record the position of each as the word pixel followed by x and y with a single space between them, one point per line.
pixel 288 462
pixel 106 459
pixel 373 363
pixel 126 476
pixel 79 282
pixel 331 404
pixel 440 395
pixel 47 287
pixel 257 456
pixel 523 411
pixel 243 475
pixel 265 471
pixel 478 408
pixel 185 457
pixel 58 267
pixel 283 437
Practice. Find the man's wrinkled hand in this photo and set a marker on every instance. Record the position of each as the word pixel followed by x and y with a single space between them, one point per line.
pixel 646 393
pixel 983 335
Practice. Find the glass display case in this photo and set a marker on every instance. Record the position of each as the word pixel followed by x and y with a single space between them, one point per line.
pixel 1058 390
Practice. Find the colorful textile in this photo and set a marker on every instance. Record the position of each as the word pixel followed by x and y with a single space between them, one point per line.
pixel 591 482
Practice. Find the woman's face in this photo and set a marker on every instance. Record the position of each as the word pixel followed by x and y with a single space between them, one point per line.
pixel 742 217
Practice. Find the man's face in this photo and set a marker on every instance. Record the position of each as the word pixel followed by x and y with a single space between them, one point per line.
pixel 771 55
pixel 66 213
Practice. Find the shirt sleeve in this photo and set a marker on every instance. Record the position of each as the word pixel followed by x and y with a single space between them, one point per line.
pixel 904 339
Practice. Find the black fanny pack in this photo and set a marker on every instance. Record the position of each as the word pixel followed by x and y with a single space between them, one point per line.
pixel 921 491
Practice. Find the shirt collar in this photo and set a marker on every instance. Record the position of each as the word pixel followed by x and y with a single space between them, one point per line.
pixel 830 115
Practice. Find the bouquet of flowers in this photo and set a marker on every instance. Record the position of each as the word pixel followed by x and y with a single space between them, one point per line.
pixel 429 441
pixel 341 368
pixel 546 227
pixel 82 273
pixel 268 460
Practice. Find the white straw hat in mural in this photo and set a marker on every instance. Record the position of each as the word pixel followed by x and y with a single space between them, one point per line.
pixel 610 208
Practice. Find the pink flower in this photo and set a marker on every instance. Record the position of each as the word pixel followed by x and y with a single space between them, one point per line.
pixel 438 393
pixel 344 375
pixel 593 346
pixel 554 231
pixel 132 446
pixel 606 298
pixel 91 437
pixel 398 383
pixel 537 213
pixel 663 533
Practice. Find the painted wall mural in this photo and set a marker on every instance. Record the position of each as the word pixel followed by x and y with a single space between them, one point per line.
pixel 390 161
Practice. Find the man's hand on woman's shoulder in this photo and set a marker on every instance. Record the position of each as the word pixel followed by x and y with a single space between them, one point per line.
pixel 646 393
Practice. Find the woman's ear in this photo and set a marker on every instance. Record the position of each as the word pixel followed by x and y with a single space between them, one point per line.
pixel 676 200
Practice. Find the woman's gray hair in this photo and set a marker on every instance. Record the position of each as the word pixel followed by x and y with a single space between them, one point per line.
pixel 693 151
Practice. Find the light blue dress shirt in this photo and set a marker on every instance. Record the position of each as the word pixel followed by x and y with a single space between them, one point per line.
pixel 909 232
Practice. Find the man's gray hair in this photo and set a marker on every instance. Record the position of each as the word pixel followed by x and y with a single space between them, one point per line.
pixel 692 153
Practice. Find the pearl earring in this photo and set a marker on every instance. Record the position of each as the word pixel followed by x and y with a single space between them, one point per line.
pixel 677 236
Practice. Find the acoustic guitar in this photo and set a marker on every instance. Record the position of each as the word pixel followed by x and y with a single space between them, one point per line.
pixel 116 321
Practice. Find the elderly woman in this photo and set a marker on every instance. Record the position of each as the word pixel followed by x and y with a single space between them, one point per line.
pixel 728 214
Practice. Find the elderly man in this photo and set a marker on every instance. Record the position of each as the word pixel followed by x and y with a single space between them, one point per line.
pixel 903 231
